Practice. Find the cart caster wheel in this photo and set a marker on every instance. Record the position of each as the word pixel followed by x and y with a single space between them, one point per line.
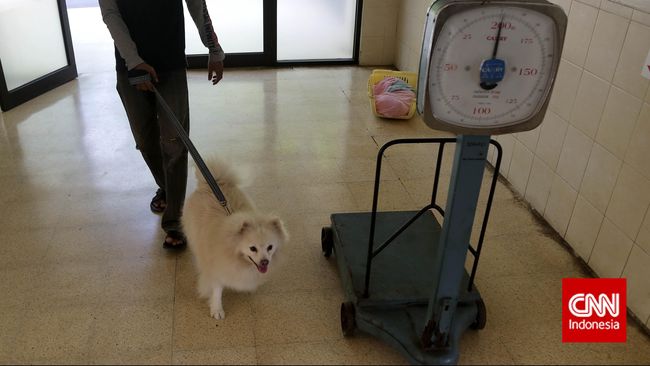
pixel 481 315
pixel 327 241
pixel 348 323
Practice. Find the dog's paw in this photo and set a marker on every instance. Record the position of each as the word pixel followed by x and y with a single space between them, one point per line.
pixel 218 313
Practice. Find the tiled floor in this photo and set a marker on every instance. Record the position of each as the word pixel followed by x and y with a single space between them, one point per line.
pixel 84 278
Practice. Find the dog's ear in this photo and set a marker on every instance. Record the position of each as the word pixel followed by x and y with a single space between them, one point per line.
pixel 245 225
pixel 278 227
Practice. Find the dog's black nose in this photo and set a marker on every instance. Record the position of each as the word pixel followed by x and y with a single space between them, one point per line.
pixel 264 262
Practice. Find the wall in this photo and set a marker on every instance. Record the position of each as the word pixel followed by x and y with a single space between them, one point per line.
pixel 643 5
pixel 378 32
pixel 586 168
pixel 410 27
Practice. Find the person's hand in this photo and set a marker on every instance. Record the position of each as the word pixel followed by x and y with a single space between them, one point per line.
pixel 215 71
pixel 147 85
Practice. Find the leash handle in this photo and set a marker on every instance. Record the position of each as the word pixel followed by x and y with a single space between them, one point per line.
pixel 182 134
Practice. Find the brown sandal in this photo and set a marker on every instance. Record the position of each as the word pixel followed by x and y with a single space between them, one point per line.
pixel 177 236
pixel 158 202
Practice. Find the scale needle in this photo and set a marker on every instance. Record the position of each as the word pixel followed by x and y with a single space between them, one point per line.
pixel 496 43
pixel 488 79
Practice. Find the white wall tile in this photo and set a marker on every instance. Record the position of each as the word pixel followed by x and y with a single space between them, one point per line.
pixel 551 139
pixel 606 44
pixel 372 23
pixel 611 251
pixel 522 160
pixel 589 104
pixel 638 153
pixel 389 16
pixel 584 228
pixel 641 17
pixel 595 3
pixel 617 124
pixel 565 89
pixel 492 154
pixel 618 9
pixel 642 5
pixel 508 146
pixel 582 20
pixel 416 15
pixel 539 185
pixel 559 207
pixel 600 177
pixel 635 50
pixel 637 272
pixel 565 4
pixel 529 138
pixel 630 201
pixel 574 157
pixel 402 57
pixel 390 45
pixel 410 28
pixel 643 239
pixel 372 50
pixel 378 30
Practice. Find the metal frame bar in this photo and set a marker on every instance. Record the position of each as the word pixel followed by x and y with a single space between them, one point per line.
pixel 448 271
pixel 488 207
pixel 373 217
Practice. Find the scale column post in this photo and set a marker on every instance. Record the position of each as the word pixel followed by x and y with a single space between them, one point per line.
pixel 464 190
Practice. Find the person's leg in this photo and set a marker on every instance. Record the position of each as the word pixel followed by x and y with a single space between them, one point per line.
pixel 141 111
pixel 173 88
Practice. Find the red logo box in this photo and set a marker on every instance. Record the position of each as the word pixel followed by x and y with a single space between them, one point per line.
pixel 594 310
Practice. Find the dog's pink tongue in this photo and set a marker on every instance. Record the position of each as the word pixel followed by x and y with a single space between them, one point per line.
pixel 263 268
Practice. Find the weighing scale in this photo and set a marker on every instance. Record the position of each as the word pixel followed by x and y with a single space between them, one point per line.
pixel 486 68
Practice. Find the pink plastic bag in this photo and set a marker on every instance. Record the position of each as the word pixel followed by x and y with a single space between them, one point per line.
pixel 392 104
pixel 382 86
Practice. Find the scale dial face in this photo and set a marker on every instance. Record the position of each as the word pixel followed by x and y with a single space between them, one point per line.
pixel 492 66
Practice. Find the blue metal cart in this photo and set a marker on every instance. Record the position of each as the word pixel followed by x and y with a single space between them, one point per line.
pixel 392 262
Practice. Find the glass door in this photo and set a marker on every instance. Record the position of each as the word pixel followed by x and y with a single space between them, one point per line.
pixel 316 30
pixel 246 31
pixel 280 32
pixel 35 49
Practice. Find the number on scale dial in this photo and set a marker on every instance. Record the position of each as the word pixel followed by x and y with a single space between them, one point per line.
pixel 492 66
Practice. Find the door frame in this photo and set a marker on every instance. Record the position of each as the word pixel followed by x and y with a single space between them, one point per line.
pixel 12 98
pixel 269 56
pixel 265 58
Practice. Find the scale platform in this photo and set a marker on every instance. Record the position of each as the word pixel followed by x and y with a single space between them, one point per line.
pixel 402 280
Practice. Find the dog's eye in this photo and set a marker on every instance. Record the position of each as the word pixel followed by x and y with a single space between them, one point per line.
pixel 253 249
pixel 269 248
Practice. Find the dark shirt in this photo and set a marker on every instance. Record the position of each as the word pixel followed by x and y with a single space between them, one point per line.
pixel 157 27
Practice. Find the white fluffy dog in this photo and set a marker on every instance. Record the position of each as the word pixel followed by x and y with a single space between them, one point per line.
pixel 233 251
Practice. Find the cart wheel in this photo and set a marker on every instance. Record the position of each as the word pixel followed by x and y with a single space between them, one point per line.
pixel 481 315
pixel 348 323
pixel 327 241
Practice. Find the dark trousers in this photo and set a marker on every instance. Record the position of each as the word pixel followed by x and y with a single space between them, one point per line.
pixel 156 138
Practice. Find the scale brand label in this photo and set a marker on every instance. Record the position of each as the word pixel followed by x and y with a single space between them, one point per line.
pixel 594 310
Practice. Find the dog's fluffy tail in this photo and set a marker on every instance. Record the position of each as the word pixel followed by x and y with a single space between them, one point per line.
pixel 222 173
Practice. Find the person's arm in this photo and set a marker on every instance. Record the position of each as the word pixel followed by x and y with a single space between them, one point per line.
pixel 120 33
pixel 125 45
pixel 199 12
